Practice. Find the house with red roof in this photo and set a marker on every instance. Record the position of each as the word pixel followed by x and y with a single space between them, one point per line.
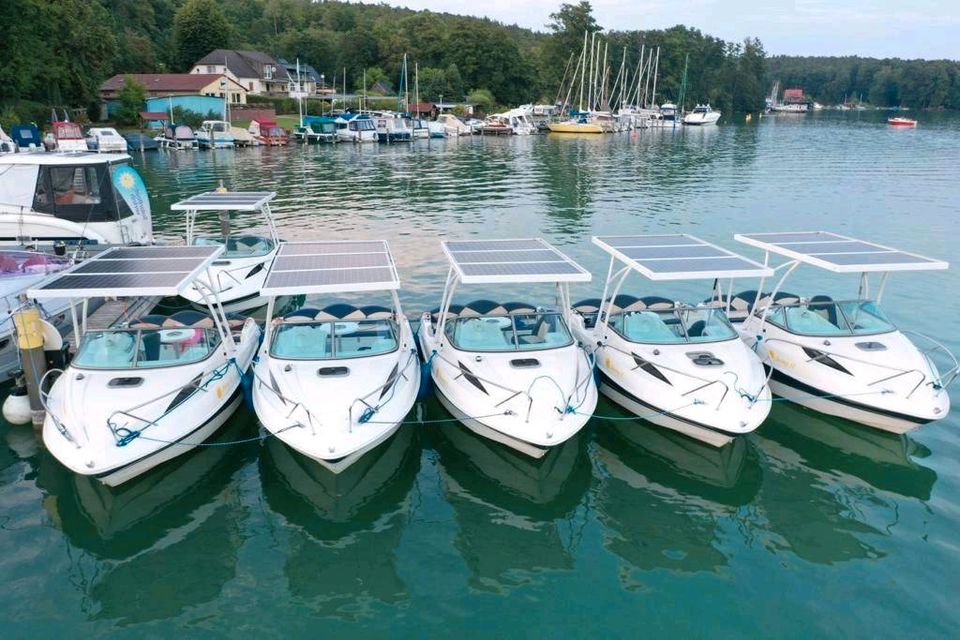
pixel 197 92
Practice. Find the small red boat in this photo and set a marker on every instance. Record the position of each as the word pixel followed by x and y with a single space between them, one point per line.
pixel 901 122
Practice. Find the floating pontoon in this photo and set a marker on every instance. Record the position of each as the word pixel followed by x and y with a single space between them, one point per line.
pixel 510 371
pixel 335 382
pixel 681 366
pixel 140 394
pixel 242 269
pixel 843 356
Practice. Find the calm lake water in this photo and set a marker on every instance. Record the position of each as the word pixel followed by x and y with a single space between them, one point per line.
pixel 810 526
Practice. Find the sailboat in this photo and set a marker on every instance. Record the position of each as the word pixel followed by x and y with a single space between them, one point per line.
pixel 581 120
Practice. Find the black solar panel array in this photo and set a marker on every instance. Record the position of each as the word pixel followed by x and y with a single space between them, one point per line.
pixel 507 259
pixel 322 266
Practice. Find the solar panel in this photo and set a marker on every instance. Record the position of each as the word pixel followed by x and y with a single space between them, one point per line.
pixel 837 253
pixel 679 256
pixel 225 201
pixel 130 272
pixel 331 267
pixel 504 261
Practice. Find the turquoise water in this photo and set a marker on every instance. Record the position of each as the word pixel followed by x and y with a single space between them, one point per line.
pixel 810 526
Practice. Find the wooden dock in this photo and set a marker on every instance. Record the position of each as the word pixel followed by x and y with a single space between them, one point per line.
pixel 112 312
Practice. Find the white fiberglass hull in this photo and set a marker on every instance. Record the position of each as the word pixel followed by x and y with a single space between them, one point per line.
pixel 165 412
pixel 320 408
pixel 701 119
pixel 528 408
pixel 882 381
pixel 44 227
pixel 237 282
pixel 662 383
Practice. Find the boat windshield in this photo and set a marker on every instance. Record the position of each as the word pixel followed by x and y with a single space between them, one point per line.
pixel 674 326
pixel 333 340
pixel 831 318
pixel 240 246
pixel 517 332
pixel 145 348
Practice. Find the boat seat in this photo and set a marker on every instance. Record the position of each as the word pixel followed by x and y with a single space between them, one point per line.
pixel 479 308
pixel 339 311
pixel 588 306
pixel 519 307
pixel 186 318
pixel 452 312
pixel 696 329
pixel 829 307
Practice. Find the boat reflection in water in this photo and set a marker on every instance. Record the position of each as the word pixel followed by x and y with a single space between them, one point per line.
pixel 343 529
pixel 679 493
pixel 885 461
pixel 517 518
pixel 146 535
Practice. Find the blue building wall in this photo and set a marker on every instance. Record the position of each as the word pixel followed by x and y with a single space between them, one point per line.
pixel 198 104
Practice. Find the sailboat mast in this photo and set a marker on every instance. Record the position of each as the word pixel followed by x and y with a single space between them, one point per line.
pixel 583 69
pixel 593 42
pixel 656 70
pixel 635 88
pixel 604 99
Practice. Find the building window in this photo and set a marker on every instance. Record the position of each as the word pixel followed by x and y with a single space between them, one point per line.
pixel 211 68
pixel 249 86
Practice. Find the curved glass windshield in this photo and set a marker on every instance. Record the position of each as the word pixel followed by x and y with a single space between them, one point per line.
pixel 333 340
pixel 830 318
pixel 673 326
pixel 519 332
pixel 145 348
pixel 240 246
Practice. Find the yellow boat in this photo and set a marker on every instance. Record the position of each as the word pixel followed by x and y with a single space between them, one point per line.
pixel 574 127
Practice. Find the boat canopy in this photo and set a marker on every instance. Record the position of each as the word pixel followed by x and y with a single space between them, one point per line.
pixel 310 120
pixel 837 253
pixel 331 267
pixel 679 257
pixel 225 201
pixel 511 261
pixel 25 135
pixel 130 272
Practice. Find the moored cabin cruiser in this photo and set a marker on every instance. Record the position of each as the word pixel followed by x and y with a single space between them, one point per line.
pixel 335 381
pixel 702 114
pixel 69 136
pixel 215 134
pixel 237 275
pixel 72 197
pixel 139 394
pixel 680 366
pixel 510 371
pixel 843 356
pixel 356 127
pixel 106 140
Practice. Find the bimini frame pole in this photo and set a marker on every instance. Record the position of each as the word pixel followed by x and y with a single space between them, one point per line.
pixel 448 290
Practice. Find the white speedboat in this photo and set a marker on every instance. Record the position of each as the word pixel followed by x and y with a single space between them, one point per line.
pixel 337 381
pixel 354 127
pixel 75 197
pixel 215 134
pixel 138 395
pixel 68 136
pixel 842 356
pixel 680 366
pixel 454 126
pixel 510 371
pixel 106 140
pixel 702 114
pixel 237 275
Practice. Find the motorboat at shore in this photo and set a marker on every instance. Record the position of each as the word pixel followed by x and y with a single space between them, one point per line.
pixel 215 134
pixel 106 140
pixel 356 127
pixel 842 356
pixel 336 381
pixel 68 136
pixel 72 197
pixel 680 366
pixel 701 115
pixel 139 394
pixel 510 371
pixel 238 274
pixel 178 137
pixel 902 122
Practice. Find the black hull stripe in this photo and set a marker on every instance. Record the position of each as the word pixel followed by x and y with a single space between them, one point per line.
pixel 795 384
pixel 223 408
pixel 605 379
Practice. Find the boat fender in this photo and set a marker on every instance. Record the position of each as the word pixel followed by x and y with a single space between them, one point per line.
pixel 246 385
pixel 426 378
pixel 16 407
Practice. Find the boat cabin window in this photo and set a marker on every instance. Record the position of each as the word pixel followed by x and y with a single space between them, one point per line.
pixel 680 325
pixel 518 332
pixel 333 340
pixel 145 348
pixel 79 193
pixel 240 246
pixel 831 318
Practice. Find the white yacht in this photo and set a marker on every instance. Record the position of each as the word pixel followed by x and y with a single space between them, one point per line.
pixel 336 381
pixel 138 395
pixel 842 356
pixel 106 140
pixel 353 127
pixel 237 275
pixel 681 366
pixel 702 114
pixel 215 134
pixel 510 371
pixel 454 126
pixel 73 197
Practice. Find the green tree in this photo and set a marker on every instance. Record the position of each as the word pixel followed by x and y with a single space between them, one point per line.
pixel 199 27
pixel 132 97
pixel 483 99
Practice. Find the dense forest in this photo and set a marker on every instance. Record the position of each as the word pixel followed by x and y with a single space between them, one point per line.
pixel 58 52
